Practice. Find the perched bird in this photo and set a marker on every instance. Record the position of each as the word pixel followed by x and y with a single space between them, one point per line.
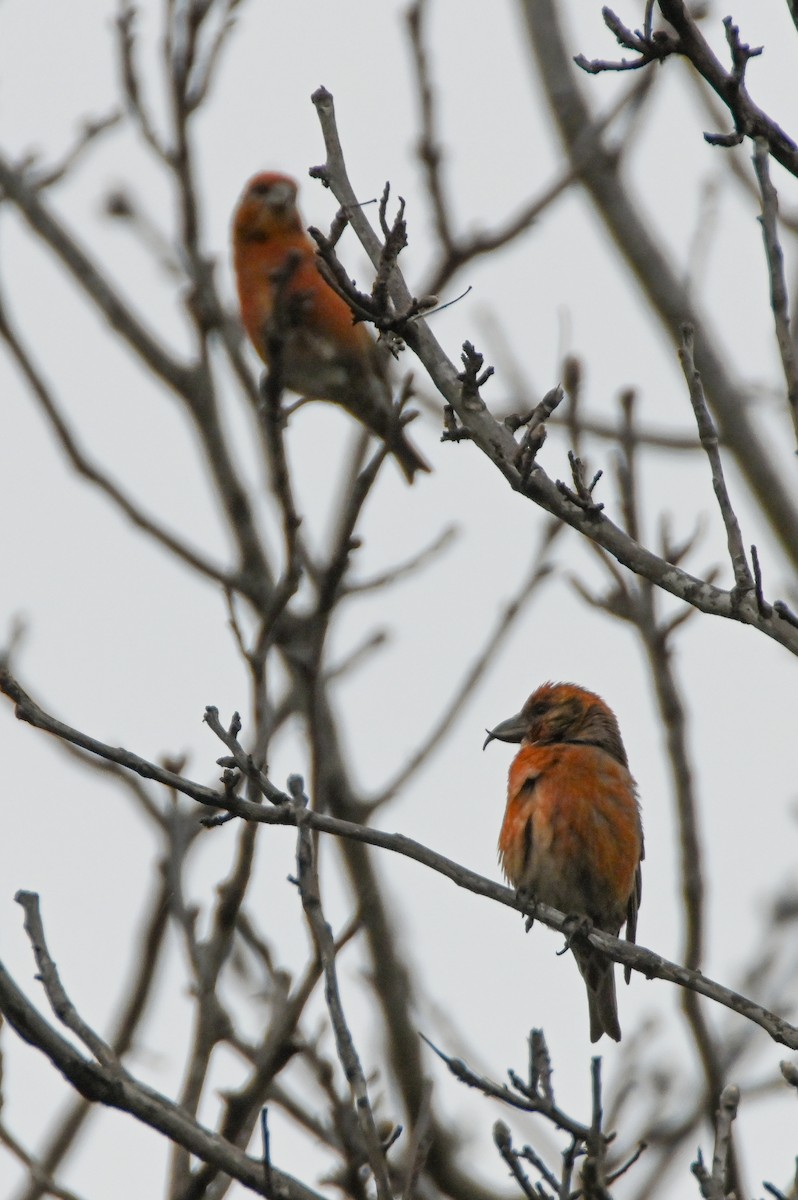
pixel 290 311
pixel 571 835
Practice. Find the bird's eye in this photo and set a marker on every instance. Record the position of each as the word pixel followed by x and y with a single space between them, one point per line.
pixel 260 189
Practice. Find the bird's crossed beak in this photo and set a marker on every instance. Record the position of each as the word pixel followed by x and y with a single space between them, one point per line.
pixel 511 730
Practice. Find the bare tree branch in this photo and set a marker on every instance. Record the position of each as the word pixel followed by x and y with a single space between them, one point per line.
pixel 41 1180
pixel 708 435
pixel 778 284
pixel 138 993
pixel 104 1086
pixel 657 45
pixel 308 883
pixel 497 442
pixel 94 474
pixel 640 247
pixel 284 813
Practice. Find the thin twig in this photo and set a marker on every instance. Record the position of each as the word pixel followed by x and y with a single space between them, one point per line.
pixel 308 883
pixel 744 581
pixel 779 302
pixel 641 246
pixel 281 1041
pixel 343 542
pixel 94 474
pixel 137 993
pixel 402 570
pixel 520 1098
pixel 420 1144
pixel 42 1181
pixel 92 280
pixel 268 1182
pixel 504 1144
pixel 503 451
pixel 106 1086
pixel 637 604
pixel 749 119
pixel 506 620
pixel 622 951
pixel 92 128
pixel 60 1003
pixel 727 1111
pixel 126 48
pixel 455 251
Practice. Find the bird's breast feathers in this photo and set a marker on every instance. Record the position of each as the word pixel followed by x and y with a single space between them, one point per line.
pixel 571 833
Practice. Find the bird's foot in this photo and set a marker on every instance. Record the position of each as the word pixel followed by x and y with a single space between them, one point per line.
pixel 576 926
pixel 527 897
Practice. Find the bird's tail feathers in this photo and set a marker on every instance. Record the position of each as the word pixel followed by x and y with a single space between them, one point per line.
pixel 598 972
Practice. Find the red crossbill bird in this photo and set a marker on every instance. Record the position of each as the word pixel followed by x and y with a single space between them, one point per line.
pixel 324 355
pixel 572 836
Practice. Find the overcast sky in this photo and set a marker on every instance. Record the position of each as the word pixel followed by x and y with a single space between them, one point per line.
pixel 121 642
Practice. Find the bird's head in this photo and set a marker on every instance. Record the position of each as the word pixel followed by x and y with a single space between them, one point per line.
pixel 563 712
pixel 267 206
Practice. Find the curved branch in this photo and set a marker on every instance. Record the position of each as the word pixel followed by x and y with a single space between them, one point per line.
pixel 92 281
pixel 94 474
pixel 104 1086
pixel 640 247
pixel 496 441
pixel 636 957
